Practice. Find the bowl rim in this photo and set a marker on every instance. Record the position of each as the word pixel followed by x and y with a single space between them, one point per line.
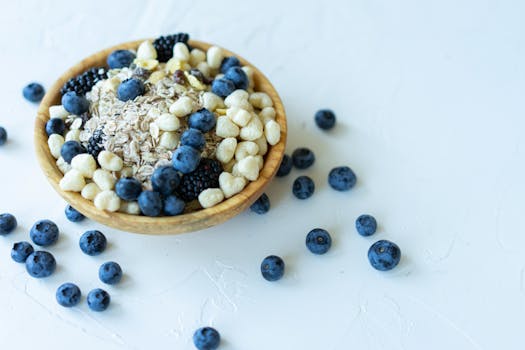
pixel 166 224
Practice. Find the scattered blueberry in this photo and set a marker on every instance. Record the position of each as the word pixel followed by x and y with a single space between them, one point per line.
pixel 128 188
pixel 193 138
pixel 55 126
pixel 318 241
pixel 33 92
pixel 206 338
pixel 70 149
pixel 186 159
pixel 150 203
pixel 203 120
pixel 285 167
pixel 325 119
pixel 73 215
pixel 366 225
pixel 173 205
pixel 261 205
pixel 3 136
pixel 98 300
pixel 68 295
pixel 129 89
pixel 75 104
pixel 40 264
pixel 7 223
pixel 238 77
pixel 272 268
pixel 222 87
pixel 92 242
pixel 21 250
pixel 341 178
pixel 384 255
pixel 303 158
pixel 120 59
pixel 110 272
pixel 44 233
pixel 303 187
pixel 228 62
pixel 165 180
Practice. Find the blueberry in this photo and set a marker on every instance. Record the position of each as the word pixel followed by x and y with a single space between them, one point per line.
pixel 186 159
pixel 261 205
pixel 68 295
pixel 73 215
pixel 128 188
pixel 193 138
pixel 238 77
pixel 98 299
pixel 272 268
pixel 341 178
pixel 228 62
pixel 33 92
pixel 303 187
pixel 222 87
pixel 92 242
pixel 318 241
pixel 150 203
pixel 75 104
pixel 325 119
pixel 366 225
pixel 206 338
pixel 120 59
pixel 384 255
pixel 285 167
pixel 70 149
pixel 21 250
pixel 110 272
pixel 55 126
pixel 44 233
pixel 165 180
pixel 173 205
pixel 3 136
pixel 303 158
pixel 203 120
pixel 7 223
pixel 129 89
pixel 40 264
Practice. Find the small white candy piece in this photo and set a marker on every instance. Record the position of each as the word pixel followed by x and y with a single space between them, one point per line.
pixel 226 128
pixel 214 57
pixel 168 122
pixel 245 149
pixel 129 208
pixel 104 179
pixel 182 107
pixel 260 162
pixel 260 100
pixel 211 102
pixel 110 161
pixel 90 191
pixel 204 68
pixel 231 185
pixel 197 56
pixel 77 123
pixel 263 146
pixel 107 200
pixel 210 197
pixel 55 142
pixel 226 149
pixel 169 140
pixel 72 181
pixel 85 164
pixel 63 166
pixel 146 51
pixel 73 135
pixel 249 168
pixel 272 132
pixel 267 114
pixel 58 112
pixel 236 98
pixel 181 52
pixel 235 170
pixel 239 116
pixel 249 72
pixel 252 131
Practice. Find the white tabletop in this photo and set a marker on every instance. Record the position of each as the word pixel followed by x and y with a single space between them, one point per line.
pixel 429 100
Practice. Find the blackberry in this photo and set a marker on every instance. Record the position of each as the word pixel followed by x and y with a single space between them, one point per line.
pixel 164 45
pixel 83 83
pixel 94 146
pixel 205 176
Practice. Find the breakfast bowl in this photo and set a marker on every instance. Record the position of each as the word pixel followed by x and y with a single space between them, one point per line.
pixel 190 220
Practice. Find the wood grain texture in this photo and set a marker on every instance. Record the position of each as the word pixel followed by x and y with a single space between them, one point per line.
pixel 161 225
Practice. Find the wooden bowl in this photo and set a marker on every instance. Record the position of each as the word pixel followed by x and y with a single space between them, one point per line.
pixel 158 225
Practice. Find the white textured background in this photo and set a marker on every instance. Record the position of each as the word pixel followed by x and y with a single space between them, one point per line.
pixel 429 96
